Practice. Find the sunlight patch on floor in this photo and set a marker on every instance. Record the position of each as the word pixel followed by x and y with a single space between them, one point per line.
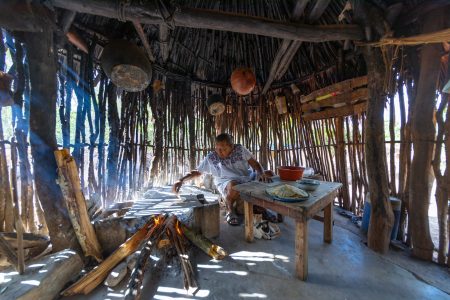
pixel 253 295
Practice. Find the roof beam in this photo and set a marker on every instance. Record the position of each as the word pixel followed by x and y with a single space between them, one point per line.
pixel 299 8
pixel 289 48
pixel 150 13
pixel 143 37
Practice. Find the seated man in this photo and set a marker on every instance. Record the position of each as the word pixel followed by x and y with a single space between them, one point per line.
pixel 230 165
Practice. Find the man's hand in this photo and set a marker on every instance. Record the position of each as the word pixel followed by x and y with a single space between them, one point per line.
pixel 264 177
pixel 177 186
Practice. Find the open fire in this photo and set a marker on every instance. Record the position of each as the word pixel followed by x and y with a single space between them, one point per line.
pixel 163 233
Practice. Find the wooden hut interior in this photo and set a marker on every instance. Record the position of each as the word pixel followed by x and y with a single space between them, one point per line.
pixel 122 120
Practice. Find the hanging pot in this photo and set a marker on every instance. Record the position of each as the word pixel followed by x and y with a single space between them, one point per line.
pixel 126 65
pixel 216 104
pixel 243 81
pixel 6 95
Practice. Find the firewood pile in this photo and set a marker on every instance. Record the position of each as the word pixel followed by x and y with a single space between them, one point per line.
pixel 162 235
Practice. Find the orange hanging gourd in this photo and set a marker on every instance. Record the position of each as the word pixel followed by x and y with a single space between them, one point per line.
pixel 243 81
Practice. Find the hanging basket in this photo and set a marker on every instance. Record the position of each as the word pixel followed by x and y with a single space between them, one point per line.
pixel 216 104
pixel 6 95
pixel 243 81
pixel 126 65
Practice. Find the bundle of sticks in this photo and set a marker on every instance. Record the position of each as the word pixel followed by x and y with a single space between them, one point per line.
pixel 162 231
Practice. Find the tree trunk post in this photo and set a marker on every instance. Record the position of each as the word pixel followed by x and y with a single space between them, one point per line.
pixel 423 135
pixel 42 65
pixel 382 218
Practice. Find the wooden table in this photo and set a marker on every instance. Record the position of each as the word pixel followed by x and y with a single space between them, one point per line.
pixel 254 193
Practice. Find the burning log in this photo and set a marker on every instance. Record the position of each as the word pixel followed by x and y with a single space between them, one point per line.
pixel 133 290
pixel 176 236
pixel 204 244
pixel 91 280
pixel 76 204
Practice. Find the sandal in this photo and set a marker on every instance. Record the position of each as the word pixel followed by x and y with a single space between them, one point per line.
pixel 266 230
pixel 232 219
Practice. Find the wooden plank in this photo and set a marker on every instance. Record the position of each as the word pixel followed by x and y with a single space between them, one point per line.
pixel 76 204
pixel 347 110
pixel 318 218
pixel 328 223
pixel 347 98
pixel 30 240
pixel 321 204
pixel 148 13
pixel 248 211
pixel 340 86
pixel 276 206
pixel 301 248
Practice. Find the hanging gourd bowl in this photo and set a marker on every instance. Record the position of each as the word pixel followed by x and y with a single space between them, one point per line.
pixel 126 65
pixel 243 81
pixel 215 104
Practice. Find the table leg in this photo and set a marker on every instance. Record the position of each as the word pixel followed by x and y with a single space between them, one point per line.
pixel 301 248
pixel 328 223
pixel 248 211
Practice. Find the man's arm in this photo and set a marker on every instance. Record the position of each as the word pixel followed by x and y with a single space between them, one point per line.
pixel 260 175
pixel 177 185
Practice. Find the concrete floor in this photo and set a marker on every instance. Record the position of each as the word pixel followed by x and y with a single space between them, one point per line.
pixel 345 269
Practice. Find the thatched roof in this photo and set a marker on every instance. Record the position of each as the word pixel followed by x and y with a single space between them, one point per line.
pixel 210 55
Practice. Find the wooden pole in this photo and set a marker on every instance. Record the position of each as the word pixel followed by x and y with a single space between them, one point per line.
pixel 382 217
pixel 144 40
pixel 150 13
pixel 41 56
pixel 296 14
pixel 342 162
pixel 423 135
pixel 17 219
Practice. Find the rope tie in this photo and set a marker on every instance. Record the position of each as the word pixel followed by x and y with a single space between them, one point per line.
pixel 121 9
pixel 166 14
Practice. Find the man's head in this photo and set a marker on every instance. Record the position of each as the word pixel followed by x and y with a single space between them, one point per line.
pixel 224 145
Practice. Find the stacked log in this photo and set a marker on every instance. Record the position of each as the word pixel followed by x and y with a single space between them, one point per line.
pixel 76 204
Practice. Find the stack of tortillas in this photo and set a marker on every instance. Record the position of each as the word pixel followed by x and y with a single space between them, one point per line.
pixel 287 191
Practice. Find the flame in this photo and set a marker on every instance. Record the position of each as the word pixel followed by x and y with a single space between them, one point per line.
pixel 158 220
pixel 178 228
